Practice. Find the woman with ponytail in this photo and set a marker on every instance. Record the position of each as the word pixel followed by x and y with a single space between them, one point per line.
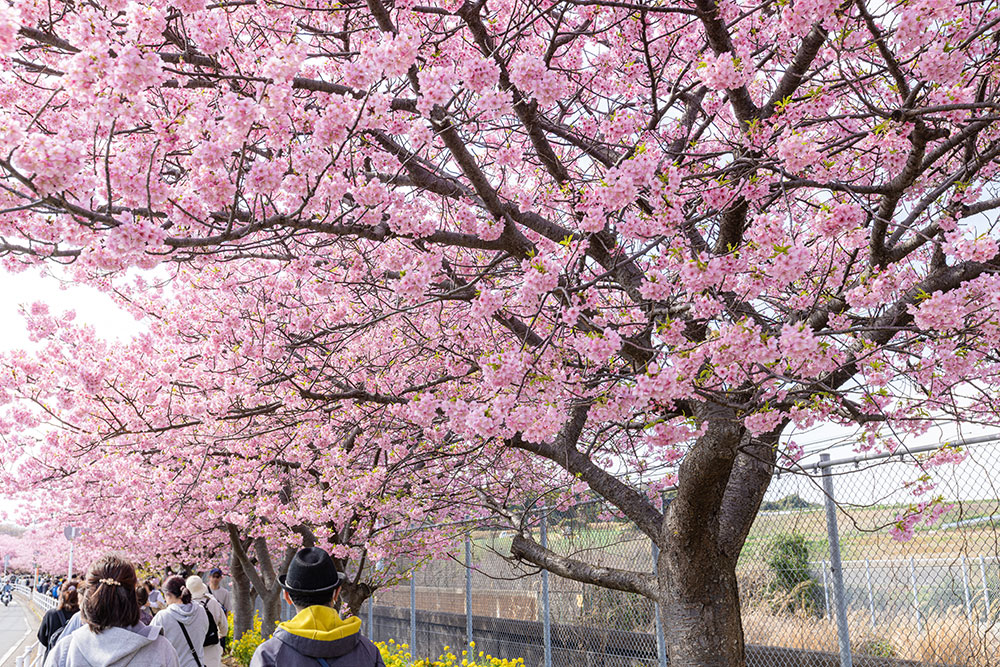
pixel 184 624
pixel 111 633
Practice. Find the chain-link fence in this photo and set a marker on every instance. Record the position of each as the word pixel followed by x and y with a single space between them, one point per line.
pixel 931 599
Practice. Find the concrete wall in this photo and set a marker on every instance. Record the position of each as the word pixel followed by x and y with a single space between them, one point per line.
pixel 571 646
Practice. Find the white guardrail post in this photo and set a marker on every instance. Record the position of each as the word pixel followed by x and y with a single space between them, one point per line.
pixel 33 655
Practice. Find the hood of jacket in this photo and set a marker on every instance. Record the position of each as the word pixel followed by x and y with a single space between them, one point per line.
pixel 115 646
pixel 319 632
pixel 182 613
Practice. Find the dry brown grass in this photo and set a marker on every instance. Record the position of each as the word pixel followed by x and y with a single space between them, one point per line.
pixel 948 638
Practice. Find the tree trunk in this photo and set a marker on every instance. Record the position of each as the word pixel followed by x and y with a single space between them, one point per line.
pixel 243 598
pixel 352 596
pixel 271 603
pixel 700 609
pixel 265 581
pixel 722 482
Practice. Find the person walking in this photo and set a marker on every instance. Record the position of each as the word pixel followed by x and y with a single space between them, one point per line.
pixel 217 621
pixel 55 620
pixel 145 614
pixel 223 595
pixel 156 601
pixel 184 623
pixel 111 633
pixel 317 634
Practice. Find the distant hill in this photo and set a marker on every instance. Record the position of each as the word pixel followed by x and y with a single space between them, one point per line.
pixel 792 502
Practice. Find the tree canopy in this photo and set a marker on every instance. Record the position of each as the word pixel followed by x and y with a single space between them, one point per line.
pixel 513 246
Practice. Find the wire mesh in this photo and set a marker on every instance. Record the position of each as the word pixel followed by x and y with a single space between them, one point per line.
pixel 933 598
pixel 927 598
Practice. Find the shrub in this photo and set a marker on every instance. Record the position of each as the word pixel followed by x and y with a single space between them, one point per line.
pixel 793 587
pixel 603 607
pixel 878 647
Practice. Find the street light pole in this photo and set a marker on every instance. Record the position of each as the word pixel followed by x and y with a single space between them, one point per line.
pixel 71 533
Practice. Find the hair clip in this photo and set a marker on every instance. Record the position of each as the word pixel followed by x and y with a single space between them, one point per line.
pixel 111 582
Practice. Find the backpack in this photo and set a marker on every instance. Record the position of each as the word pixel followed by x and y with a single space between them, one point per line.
pixel 212 636
pixel 54 637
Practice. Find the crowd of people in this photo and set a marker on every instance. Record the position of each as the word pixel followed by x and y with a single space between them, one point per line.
pixel 111 619
pixel 182 612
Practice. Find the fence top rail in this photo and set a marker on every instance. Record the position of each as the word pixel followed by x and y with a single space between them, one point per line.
pixel 796 469
pixel 917 560
pixel 902 452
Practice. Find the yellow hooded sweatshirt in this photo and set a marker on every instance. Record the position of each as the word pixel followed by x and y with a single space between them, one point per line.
pixel 322 624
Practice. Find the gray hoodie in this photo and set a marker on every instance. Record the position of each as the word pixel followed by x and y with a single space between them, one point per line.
pixel 195 621
pixel 138 646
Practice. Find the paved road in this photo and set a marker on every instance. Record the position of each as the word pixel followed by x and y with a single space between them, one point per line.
pixel 18 625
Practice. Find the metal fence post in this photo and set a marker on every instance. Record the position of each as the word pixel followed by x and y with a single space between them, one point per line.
pixel 826 590
pixel 468 592
pixel 661 642
pixel 836 568
pixel 965 587
pixel 871 599
pixel 546 621
pixel 916 597
pixel 413 615
pixel 371 619
pixel 986 588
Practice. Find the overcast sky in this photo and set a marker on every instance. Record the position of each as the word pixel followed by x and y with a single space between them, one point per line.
pixel 91 306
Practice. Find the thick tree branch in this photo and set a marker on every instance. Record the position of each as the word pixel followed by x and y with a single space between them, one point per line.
pixel 693 515
pixel 240 552
pixel 563 451
pixel 528 550
pixel 748 482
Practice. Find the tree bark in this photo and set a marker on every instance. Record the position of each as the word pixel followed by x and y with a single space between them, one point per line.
pixel 700 608
pixel 699 596
pixel 271 616
pixel 265 581
pixel 243 597
pixel 353 595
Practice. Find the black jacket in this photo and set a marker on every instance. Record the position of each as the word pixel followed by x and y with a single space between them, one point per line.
pixel 52 621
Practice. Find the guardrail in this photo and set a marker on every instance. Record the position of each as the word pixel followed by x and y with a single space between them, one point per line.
pixel 32 656
pixel 46 602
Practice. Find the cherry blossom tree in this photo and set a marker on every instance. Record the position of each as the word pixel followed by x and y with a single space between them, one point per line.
pixel 41 546
pixel 180 456
pixel 589 236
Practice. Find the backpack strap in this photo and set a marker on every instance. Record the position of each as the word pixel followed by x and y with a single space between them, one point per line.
pixel 190 645
pixel 323 662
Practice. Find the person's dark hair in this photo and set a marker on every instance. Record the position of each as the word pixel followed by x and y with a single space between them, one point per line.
pixel 109 599
pixel 69 597
pixel 303 600
pixel 149 586
pixel 142 595
pixel 175 586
